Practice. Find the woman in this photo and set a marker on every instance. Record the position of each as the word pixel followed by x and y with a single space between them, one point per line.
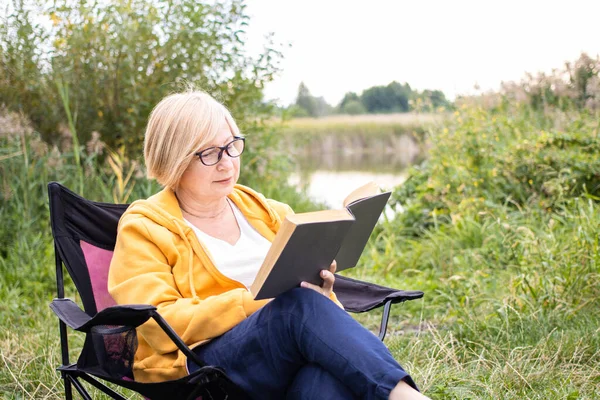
pixel 193 249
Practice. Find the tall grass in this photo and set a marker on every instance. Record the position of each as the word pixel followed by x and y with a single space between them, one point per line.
pixel 499 227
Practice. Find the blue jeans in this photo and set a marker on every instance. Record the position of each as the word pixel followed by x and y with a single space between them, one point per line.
pixel 301 345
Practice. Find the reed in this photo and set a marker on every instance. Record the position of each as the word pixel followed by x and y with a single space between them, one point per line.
pixel 499 227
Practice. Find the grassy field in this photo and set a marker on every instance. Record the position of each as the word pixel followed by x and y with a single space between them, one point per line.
pixel 365 140
pixel 499 227
pixel 375 120
pixel 362 127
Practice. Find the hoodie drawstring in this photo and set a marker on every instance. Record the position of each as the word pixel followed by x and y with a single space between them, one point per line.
pixel 195 298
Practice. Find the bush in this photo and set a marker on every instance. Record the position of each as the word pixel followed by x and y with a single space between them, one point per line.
pixel 117 59
pixel 353 107
pixel 489 158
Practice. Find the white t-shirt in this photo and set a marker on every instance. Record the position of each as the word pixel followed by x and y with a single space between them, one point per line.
pixel 242 260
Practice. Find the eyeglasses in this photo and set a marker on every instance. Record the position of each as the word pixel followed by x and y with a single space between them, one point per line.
pixel 213 155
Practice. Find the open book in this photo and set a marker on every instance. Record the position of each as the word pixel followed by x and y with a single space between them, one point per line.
pixel 307 243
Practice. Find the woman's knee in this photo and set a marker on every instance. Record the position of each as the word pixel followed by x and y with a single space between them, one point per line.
pixel 298 306
pixel 296 297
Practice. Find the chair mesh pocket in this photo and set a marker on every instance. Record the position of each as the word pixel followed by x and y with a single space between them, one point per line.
pixel 115 347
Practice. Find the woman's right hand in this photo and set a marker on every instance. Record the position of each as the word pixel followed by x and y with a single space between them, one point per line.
pixel 328 280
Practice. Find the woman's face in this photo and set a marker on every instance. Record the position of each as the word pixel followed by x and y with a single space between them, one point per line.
pixel 210 183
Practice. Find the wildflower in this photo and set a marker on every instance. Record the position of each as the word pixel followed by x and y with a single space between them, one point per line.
pixel 100 114
pixel 7 191
pixel 13 124
pixel 455 218
pixel 54 18
pixel 66 137
pixel 95 145
pixel 38 146
pixel 55 160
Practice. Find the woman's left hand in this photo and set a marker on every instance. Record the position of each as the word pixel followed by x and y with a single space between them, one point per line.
pixel 328 280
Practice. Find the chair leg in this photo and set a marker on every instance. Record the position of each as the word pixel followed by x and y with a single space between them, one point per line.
pixel 384 320
pixel 68 388
pixel 79 387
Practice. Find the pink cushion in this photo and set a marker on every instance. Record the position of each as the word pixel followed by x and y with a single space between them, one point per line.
pixel 98 262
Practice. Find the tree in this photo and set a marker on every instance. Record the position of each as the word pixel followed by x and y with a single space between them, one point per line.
pixel 398 96
pixel 348 97
pixel 391 98
pixel 322 108
pixel 375 99
pixel 119 58
pixel 353 107
pixel 306 101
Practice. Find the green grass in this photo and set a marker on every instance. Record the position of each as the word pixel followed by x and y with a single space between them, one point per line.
pixel 499 229
pixel 506 313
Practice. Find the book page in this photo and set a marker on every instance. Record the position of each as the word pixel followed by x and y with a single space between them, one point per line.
pixel 368 190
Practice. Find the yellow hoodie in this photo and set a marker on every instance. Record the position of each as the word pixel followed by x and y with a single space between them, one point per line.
pixel 158 260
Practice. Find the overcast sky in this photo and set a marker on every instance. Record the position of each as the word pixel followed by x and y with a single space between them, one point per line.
pixel 339 46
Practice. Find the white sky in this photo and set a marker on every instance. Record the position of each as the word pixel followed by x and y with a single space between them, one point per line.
pixel 339 46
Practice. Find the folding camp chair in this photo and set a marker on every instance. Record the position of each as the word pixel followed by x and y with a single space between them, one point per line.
pixel 84 238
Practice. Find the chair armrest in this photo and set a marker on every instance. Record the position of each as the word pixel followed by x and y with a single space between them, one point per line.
pixel 358 296
pixel 131 315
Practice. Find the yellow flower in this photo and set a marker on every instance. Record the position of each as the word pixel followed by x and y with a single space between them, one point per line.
pixel 100 114
pixel 530 182
pixel 54 18
pixel 445 130
pixel 129 110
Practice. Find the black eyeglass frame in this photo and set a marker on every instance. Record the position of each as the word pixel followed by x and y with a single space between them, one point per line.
pixel 221 150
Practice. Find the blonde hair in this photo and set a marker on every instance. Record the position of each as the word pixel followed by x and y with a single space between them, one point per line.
pixel 179 126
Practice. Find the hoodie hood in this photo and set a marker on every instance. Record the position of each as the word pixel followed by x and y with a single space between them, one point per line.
pixel 163 208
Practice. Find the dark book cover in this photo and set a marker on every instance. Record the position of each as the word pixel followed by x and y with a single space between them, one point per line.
pixel 310 249
pixel 366 212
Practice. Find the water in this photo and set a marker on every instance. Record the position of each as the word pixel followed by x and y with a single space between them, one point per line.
pixel 329 176
pixel 331 187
